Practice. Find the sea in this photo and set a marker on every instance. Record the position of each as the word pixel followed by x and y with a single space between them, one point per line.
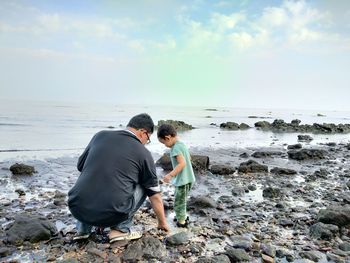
pixel 50 129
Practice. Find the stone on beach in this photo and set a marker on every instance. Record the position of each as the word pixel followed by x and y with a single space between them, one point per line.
pixel 222 169
pixel 145 248
pixel 199 162
pixel 178 125
pixel 252 166
pixel 323 231
pixel 307 154
pixel 22 169
pixel 30 228
pixel 283 171
pixel 336 215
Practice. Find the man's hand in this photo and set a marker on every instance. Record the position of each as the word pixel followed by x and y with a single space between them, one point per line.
pixel 157 204
pixel 164 226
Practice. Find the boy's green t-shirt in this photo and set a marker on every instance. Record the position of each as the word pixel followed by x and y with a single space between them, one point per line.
pixel 186 175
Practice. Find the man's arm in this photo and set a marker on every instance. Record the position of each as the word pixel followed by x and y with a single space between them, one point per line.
pixel 158 207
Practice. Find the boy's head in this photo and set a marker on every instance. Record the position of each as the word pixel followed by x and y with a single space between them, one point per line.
pixel 167 135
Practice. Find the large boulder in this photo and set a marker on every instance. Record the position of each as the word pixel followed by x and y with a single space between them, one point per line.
pixel 230 125
pixel 199 162
pixel 252 166
pixel 306 154
pixel 336 215
pixel 30 228
pixel 178 125
pixel 146 248
pixel 22 169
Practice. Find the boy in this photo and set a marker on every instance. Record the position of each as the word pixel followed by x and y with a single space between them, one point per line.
pixel 182 175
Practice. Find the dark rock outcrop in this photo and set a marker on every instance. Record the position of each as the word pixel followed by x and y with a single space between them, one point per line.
pixel 305 138
pixel 222 169
pixel 178 125
pixel 336 215
pixel 283 171
pixel 234 126
pixel 30 228
pixel 146 248
pixel 271 192
pixel 199 162
pixel 22 169
pixel 252 166
pixel 294 146
pixel 266 154
pixel 307 154
pixel 323 231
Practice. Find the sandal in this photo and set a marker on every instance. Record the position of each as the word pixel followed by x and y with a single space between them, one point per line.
pixel 178 224
pixel 187 219
pixel 128 236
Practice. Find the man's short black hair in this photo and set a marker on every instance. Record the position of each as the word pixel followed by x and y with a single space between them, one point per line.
pixel 142 121
pixel 165 130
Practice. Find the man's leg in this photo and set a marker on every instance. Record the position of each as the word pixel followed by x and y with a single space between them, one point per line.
pixel 139 199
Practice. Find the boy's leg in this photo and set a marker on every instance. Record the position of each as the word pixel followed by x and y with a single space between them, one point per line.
pixel 139 199
pixel 180 205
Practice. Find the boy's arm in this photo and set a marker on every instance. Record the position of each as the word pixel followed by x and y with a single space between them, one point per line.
pixel 178 168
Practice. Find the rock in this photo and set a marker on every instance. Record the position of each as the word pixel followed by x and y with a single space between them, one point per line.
pixel 312 255
pixel 201 202
pixel 271 192
pixel 305 138
pixel 22 169
pixel 230 125
pixel 252 187
pixel 214 259
pixel 20 192
pixel 335 258
pixel 238 191
pixel 244 126
pixel 244 155
pixel 181 238
pixel 252 166
pixel 348 184
pixel 282 171
pixel 264 125
pixel 178 125
pixel 295 122
pixel 242 242
pixel 268 250
pixel 263 154
pixel 306 154
pixel 323 231
pixel 4 252
pixel 322 173
pixel 222 169
pixel 267 259
pixel 336 215
pixel 345 246
pixel 294 146
pixel 30 228
pixel 285 222
pixel 237 255
pixel 199 162
pixel 146 248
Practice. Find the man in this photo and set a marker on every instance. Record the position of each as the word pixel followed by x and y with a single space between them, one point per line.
pixel 117 174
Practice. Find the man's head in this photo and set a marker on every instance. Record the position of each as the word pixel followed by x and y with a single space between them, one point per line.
pixel 167 135
pixel 142 125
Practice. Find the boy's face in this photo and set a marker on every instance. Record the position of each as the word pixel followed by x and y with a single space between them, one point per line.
pixel 168 141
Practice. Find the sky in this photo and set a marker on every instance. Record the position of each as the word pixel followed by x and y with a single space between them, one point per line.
pixel 251 54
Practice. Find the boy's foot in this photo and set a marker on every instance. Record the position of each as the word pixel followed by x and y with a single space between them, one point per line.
pixel 81 236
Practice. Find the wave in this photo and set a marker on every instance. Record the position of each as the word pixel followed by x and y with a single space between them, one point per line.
pixel 39 150
pixel 13 124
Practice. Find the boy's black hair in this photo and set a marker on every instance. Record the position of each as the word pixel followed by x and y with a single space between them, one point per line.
pixel 165 130
pixel 142 121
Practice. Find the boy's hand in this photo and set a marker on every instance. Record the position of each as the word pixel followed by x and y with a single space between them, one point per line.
pixel 167 178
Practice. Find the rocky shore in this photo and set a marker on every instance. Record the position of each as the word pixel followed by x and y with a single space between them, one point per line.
pixel 287 203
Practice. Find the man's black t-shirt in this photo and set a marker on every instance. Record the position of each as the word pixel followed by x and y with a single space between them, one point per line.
pixel 111 166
